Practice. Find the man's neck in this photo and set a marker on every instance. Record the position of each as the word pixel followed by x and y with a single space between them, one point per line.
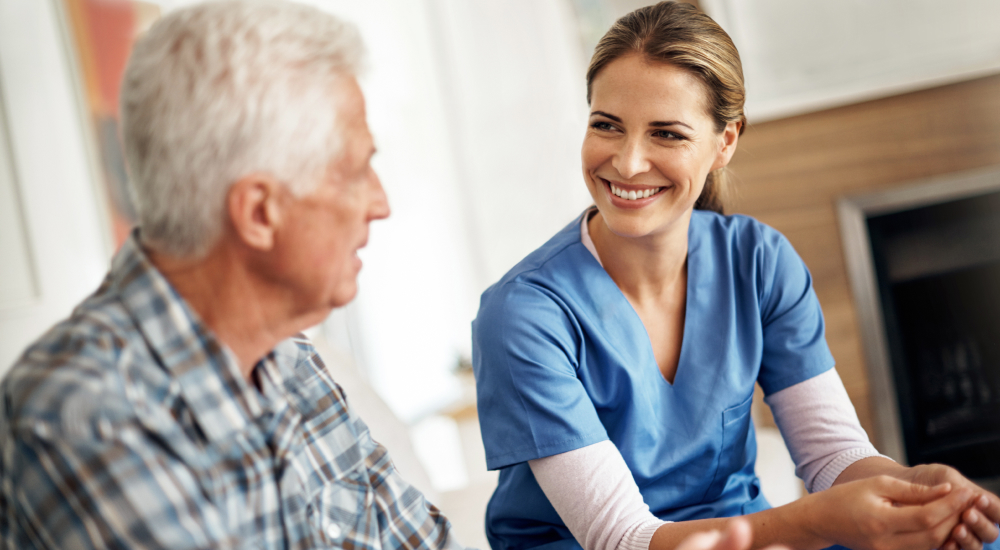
pixel 242 311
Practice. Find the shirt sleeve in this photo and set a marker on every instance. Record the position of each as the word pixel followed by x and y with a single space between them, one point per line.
pixel 794 342
pixel 114 492
pixel 821 429
pixel 526 355
pixel 595 495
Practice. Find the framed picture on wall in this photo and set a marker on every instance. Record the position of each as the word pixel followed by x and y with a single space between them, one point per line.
pixel 101 37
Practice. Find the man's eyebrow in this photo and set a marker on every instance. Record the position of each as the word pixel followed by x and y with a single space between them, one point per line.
pixel 655 124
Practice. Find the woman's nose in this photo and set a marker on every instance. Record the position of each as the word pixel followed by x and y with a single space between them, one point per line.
pixel 631 159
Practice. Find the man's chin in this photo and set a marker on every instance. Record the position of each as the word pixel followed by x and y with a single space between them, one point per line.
pixel 344 296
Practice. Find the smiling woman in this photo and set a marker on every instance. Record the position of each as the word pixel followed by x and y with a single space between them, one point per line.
pixel 616 364
pixel 652 140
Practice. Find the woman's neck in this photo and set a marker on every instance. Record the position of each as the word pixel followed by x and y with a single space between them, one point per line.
pixel 644 268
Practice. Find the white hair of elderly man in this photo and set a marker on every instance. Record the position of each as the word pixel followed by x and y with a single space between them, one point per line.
pixel 213 94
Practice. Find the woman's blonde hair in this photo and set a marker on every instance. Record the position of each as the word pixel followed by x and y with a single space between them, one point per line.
pixel 679 34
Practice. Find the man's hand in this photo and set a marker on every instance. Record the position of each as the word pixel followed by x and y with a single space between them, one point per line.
pixel 736 537
pixel 978 521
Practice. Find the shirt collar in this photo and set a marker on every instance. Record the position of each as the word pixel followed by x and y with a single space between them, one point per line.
pixel 207 372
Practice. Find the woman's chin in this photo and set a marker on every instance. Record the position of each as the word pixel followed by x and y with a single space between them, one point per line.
pixel 627 228
pixel 638 224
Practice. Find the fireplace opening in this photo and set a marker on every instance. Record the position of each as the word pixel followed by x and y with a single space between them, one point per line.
pixel 924 263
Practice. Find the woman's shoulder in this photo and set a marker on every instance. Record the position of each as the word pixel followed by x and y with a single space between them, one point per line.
pixel 550 278
pixel 548 260
pixel 745 251
pixel 736 231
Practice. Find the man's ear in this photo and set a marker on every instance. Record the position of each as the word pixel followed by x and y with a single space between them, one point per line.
pixel 254 204
pixel 729 137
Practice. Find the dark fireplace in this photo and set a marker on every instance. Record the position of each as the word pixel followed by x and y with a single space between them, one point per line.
pixel 924 261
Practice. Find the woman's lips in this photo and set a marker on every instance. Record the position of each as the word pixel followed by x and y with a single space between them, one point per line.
pixel 631 198
pixel 634 194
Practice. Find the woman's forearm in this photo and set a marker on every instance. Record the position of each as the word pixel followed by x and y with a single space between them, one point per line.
pixel 593 491
pixel 790 525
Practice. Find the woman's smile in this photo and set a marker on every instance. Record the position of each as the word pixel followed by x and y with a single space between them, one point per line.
pixel 631 196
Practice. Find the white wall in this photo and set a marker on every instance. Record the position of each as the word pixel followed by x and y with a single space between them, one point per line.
pixel 478 111
pixel 806 56
pixel 54 225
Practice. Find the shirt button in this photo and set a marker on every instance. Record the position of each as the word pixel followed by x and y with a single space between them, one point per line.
pixel 105 429
pixel 333 531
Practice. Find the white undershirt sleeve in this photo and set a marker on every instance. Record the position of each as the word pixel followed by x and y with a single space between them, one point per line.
pixel 820 428
pixel 595 494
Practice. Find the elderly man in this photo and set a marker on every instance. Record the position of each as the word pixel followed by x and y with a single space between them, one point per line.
pixel 178 407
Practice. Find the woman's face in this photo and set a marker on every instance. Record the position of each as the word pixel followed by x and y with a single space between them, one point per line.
pixel 650 144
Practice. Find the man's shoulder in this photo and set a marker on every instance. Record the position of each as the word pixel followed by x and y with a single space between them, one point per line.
pixel 75 372
pixel 310 384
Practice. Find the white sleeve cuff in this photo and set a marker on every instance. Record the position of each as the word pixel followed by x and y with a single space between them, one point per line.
pixel 639 537
pixel 821 429
pixel 825 478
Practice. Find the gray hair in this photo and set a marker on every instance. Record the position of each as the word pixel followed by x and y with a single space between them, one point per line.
pixel 220 90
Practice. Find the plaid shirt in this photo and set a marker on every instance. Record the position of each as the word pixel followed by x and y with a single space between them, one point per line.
pixel 130 426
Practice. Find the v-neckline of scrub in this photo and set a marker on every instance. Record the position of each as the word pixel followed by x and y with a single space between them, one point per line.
pixel 651 356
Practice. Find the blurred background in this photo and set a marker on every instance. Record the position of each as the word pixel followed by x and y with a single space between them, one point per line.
pixel 867 117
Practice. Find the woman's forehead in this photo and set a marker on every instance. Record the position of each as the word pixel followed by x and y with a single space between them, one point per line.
pixel 634 87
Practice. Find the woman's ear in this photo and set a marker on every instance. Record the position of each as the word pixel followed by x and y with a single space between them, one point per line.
pixel 254 205
pixel 727 144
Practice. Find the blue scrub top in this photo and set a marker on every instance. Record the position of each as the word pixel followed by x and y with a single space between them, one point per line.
pixel 563 361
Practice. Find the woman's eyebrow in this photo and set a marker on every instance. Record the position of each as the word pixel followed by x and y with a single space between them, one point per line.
pixel 654 124
pixel 659 124
pixel 606 115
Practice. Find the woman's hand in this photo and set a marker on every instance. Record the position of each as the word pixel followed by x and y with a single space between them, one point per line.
pixel 886 513
pixel 736 537
pixel 978 521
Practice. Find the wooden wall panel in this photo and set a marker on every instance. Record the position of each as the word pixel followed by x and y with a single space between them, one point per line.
pixel 789 174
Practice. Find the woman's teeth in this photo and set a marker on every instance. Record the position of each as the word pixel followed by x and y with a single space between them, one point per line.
pixel 633 195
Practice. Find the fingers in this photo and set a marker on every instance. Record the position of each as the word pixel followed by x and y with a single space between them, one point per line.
pixel 978 525
pixel 942 513
pixel 705 540
pixel 989 504
pixel 737 536
pixel 962 535
pixel 905 492
pixel 935 537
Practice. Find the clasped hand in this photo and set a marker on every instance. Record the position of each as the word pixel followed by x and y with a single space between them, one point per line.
pixel 978 520
pixel 919 508
pixel 922 508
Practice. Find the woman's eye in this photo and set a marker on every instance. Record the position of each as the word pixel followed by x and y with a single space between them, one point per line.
pixel 665 134
pixel 602 125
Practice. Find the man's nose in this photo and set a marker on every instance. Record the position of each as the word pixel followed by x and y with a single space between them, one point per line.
pixel 379 206
pixel 631 159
